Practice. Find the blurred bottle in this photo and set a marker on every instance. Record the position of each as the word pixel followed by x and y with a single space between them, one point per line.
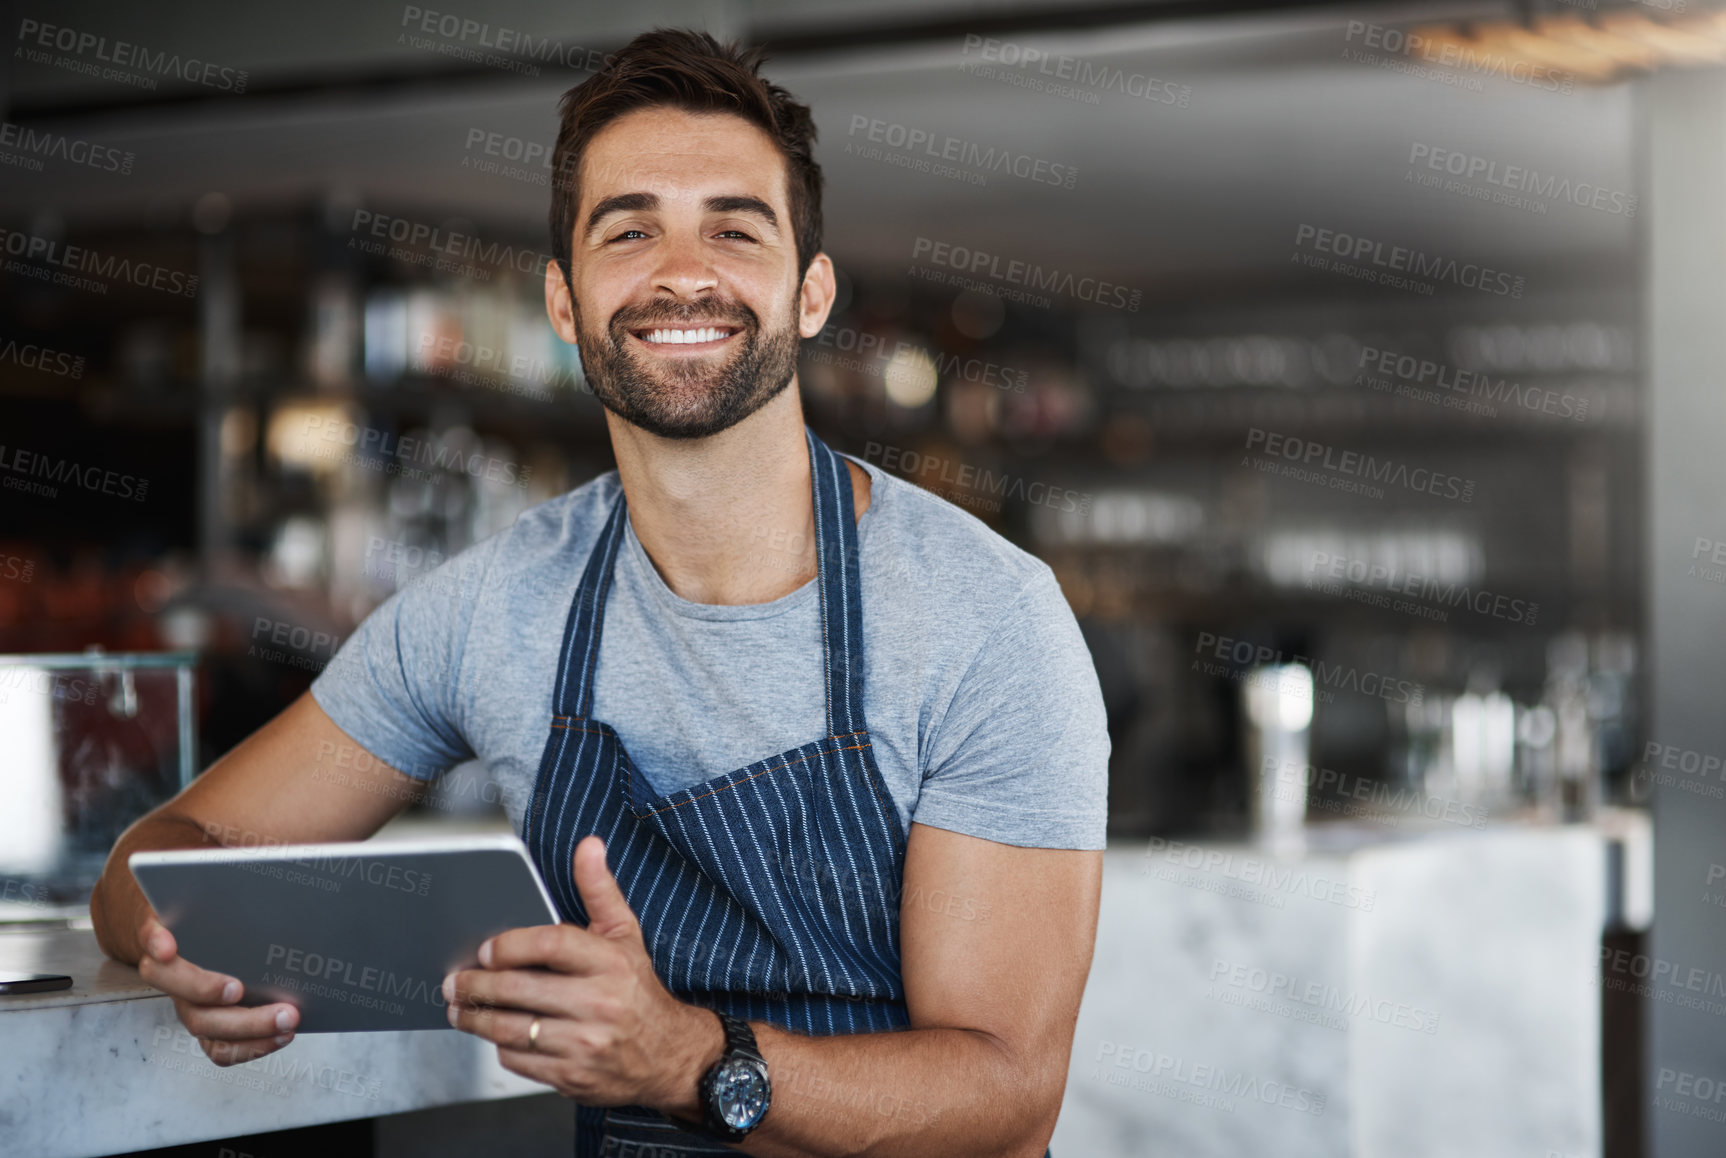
pixel 1279 716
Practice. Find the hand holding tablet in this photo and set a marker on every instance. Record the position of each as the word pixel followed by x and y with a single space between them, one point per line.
pixel 357 936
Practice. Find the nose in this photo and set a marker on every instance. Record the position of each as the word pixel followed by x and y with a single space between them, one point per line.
pixel 685 269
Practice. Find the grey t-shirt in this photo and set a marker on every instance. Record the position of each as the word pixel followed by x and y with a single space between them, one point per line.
pixel 983 706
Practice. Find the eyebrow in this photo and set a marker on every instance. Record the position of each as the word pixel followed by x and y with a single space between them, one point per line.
pixel 742 204
pixel 639 202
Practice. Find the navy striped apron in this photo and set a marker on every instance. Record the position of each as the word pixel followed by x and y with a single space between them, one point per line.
pixel 770 892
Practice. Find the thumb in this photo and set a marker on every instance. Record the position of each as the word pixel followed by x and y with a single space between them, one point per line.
pixel 608 913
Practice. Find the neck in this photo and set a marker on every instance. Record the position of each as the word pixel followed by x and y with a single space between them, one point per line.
pixel 727 519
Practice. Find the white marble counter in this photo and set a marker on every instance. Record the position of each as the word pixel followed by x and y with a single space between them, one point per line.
pixel 1433 995
pixel 105 1067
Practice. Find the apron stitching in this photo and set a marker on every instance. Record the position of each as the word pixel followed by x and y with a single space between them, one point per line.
pixel 595 731
pixel 870 777
pixel 887 808
pixel 745 780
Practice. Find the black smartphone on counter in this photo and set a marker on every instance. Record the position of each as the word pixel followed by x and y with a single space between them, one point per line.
pixel 32 982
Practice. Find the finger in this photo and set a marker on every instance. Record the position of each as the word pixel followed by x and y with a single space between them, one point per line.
pixel 155 940
pixel 564 948
pixel 531 989
pixel 608 913
pixel 230 1053
pixel 237 1022
pixel 532 1064
pixel 178 977
pixel 500 1026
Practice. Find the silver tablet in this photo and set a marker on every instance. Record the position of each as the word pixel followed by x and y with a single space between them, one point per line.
pixel 358 936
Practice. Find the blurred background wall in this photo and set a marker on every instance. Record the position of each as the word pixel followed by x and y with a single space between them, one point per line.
pixel 1355 368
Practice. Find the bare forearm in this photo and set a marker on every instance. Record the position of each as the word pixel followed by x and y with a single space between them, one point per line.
pixel 937 1092
pixel 117 906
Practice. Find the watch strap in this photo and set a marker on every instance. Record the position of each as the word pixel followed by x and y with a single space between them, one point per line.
pixel 739 1038
pixel 739 1042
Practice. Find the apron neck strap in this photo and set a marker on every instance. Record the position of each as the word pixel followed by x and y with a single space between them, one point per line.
pixel 840 584
pixel 840 574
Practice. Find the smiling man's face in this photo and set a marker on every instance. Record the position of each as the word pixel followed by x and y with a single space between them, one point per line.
pixel 688 308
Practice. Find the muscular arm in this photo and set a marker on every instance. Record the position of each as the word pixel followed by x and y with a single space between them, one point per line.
pixel 996 944
pixel 274 788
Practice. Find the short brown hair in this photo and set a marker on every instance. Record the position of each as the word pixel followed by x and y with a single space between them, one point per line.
pixel 677 68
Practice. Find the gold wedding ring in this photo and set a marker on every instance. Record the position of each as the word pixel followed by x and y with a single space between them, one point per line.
pixel 533 1034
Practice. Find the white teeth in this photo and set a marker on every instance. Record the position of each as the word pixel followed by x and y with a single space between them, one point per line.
pixel 684 337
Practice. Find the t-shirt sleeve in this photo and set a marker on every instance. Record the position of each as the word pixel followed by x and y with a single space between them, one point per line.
pixel 1021 755
pixel 394 685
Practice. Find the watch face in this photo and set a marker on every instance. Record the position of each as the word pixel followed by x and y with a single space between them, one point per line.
pixel 741 1091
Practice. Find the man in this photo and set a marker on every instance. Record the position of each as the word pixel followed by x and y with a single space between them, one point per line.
pixel 850 803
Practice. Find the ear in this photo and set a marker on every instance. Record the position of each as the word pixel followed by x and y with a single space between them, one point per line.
pixel 815 297
pixel 559 306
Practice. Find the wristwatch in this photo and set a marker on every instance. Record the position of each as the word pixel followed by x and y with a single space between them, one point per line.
pixel 735 1090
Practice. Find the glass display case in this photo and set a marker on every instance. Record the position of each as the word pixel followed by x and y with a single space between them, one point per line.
pixel 92 742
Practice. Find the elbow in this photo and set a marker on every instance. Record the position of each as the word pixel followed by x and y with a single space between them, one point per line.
pixel 1029 1136
pixel 102 926
pixel 1032 1089
pixel 1034 1137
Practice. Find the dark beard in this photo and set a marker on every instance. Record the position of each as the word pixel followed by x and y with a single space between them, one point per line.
pixel 687 401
